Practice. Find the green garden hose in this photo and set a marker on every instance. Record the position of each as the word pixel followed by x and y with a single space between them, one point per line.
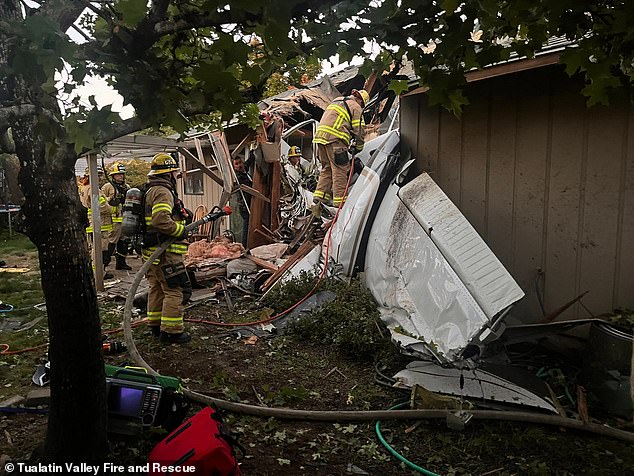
pixel 396 454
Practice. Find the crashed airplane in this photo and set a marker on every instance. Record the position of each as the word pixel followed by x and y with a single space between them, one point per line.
pixel 441 291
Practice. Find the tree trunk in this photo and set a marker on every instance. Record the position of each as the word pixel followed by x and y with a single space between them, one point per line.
pixel 52 212
pixel 52 219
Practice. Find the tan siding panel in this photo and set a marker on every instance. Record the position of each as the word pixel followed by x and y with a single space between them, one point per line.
pixel 531 157
pixel 474 163
pixel 563 202
pixel 428 138
pixel 449 155
pixel 600 221
pixel 409 124
pixel 624 286
pixel 501 178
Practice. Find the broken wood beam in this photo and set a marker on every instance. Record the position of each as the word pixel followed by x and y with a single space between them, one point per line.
pixel 236 151
pixel 226 294
pixel 261 237
pixel 257 207
pixel 203 167
pixel 276 185
pixel 304 233
pixel 302 251
pixel 262 263
pixel 254 193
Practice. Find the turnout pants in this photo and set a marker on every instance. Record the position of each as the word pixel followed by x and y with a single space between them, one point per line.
pixel 165 302
pixel 332 177
pixel 115 234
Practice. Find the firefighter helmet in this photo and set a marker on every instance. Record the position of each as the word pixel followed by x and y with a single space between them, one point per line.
pixel 99 171
pixel 294 151
pixel 163 163
pixel 117 168
pixel 363 94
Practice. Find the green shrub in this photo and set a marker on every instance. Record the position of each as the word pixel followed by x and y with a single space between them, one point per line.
pixel 350 322
pixel 284 296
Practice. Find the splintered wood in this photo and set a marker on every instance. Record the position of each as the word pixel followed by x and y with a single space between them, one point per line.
pixel 302 251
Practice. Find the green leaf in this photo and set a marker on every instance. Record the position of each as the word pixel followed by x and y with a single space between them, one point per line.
pixel 449 6
pixel 78 135
pixel 250 115
pixel 132 11
pixel 344 53
pixel 398 86
pixel 574 59
pixel 456 102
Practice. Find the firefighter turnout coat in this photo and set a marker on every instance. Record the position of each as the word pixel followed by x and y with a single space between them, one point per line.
pixel 166 277
pixel 105 213
pixel 342 121
pixel 110 192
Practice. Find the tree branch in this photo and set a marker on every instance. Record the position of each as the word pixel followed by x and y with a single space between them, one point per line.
pixel 96 11
pixel 215 19
pixel 159 8
pixel 10 114
pixel 128 126
pixel 81 32
pixel 62 12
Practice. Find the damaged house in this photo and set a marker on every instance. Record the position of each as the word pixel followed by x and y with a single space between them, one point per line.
pixel 467 231
pixel 511 222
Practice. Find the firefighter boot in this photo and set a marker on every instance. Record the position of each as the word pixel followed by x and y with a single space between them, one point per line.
pixel 122 251
pixel 180 338
pixel 120 263
pixel 105 256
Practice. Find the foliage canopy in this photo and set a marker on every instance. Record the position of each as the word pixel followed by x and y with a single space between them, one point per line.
pixel 173 60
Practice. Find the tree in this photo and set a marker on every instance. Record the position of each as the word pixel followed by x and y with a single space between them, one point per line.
pixel 296 73
pixel 136 171
pixel 176 61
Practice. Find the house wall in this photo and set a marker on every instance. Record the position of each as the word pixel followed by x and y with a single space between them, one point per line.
pixel 211 190
pixel 547 182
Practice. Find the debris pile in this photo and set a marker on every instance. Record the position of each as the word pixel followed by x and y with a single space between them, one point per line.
pixel 220 248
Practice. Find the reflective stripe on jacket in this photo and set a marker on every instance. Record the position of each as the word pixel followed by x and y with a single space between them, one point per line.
pixel 105 211
pixel 161 217
pixel 337 125
pixel 109 191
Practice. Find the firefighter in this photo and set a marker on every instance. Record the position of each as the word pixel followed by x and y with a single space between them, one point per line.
pixel 242 174
pixel 105 213
pixel 115 194
pixel 341 123
pixel 169 285
pixel 295 158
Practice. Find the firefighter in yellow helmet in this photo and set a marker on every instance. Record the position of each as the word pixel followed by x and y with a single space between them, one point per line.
pixel 169 285
pixel 115 191
pixel 105 214
pixel 298 169
pixel 341 124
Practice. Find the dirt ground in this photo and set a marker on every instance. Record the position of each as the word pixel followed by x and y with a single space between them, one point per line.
pixel 284 371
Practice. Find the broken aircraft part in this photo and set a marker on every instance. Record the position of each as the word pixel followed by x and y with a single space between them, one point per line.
pixel 439 286
pixel 479 383
pixel 356 215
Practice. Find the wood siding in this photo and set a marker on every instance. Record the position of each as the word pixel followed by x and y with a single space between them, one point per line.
pixel 211 191
pixel 548 183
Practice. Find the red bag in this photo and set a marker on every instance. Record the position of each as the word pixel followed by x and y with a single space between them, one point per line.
pixel 202 445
